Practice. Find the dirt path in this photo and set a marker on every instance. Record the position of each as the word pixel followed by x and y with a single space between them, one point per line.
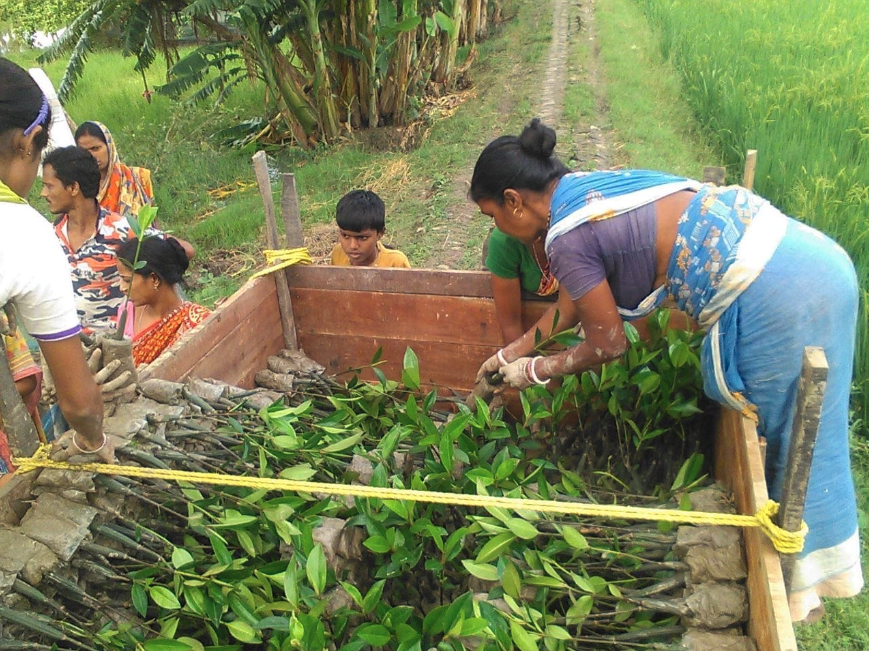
pixel 593 142
pixel 461 236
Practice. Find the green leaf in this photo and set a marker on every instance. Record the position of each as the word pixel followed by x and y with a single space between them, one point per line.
pixel 495 547
pixel 302 472
pixel 353 591
pixel 410 372
pixel 344 444
pixel 375 634
pixel 631 333
pixel 523 639
pixel 377 355
pixel 557 632
pixel 134 226
pixel 373 597
pixel 573 538
pixel 577 613
pixel 472 626
pixel 291 585
pixel 316 569
pixel 511 581
pixel 482 571
pixel 377 544
pixel 242 631
pixel 164 598
pixel 140 599
pixel 181 558
pixel 233 518
pixel 273 623
pixel 166 645
pixel 522 528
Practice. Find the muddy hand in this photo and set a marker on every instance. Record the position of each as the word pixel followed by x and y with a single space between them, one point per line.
pixel 516 373
pixel 70 447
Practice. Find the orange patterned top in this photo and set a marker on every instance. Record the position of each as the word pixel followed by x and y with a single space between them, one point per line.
pixel 153 340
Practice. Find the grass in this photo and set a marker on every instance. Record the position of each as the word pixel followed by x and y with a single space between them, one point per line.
pixel 798 99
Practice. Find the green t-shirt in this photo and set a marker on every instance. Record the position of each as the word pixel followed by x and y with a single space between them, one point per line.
pixel 509 258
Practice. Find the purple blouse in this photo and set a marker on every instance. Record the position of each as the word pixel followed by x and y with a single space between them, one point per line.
pixel 620 249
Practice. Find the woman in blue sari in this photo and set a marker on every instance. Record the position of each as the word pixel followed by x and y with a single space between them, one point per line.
pixel 762 285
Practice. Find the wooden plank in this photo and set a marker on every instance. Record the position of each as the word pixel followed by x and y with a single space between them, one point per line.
pixel 261 170
pixel 738 466
pixel 392 281
pixel 245 304
pixel 444 364
pixel 748 172
pixel 291 213
pixel 398 316
pixel 245 350
pixel 810 398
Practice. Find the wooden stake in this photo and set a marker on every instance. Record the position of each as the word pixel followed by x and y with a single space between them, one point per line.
pixel 290 211
pixel 810 398
pixel 260 168
pixel 748 174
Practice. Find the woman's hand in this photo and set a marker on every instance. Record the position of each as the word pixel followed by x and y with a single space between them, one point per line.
pixel 522 373
pixel 72 445
pixel 492 365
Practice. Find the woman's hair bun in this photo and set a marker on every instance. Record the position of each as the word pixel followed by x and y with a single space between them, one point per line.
pixel 537 139
pixel 180 254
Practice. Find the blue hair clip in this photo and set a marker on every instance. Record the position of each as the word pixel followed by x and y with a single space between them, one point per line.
pixel 43 113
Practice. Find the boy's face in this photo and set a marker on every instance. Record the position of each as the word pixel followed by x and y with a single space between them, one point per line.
pixel 360 246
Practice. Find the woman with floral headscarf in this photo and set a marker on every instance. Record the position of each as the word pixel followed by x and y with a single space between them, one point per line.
pixel 123 189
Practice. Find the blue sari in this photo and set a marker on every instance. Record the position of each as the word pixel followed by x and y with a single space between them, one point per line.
pixel 764 287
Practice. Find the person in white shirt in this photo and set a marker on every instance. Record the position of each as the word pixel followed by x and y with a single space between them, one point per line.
pixel 34 275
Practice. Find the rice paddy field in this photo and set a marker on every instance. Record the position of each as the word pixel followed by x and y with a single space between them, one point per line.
pixel 788 78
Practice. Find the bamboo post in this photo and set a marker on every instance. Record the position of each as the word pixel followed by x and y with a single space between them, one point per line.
pixel 810 398
pixel 261 170
pixel 17 422
pixel 748 173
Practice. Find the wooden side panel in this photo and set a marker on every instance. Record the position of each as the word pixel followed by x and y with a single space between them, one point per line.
pixel 451 335
pixel 392 281
pixel 232 344
pixel 738 466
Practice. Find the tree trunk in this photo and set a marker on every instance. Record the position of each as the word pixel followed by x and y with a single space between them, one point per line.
pixel 449 45
pixel 322 80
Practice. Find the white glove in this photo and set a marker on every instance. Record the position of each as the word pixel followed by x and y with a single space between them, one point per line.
pixel 516 374
pixel 491 365
pixel 521 374
pixel 123 386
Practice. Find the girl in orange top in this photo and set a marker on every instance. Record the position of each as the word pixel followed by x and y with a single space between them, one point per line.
pixel 160 315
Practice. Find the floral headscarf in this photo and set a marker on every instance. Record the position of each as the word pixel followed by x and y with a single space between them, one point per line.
pixel 125 189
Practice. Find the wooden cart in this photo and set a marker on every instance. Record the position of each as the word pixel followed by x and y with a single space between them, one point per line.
pixel 341 316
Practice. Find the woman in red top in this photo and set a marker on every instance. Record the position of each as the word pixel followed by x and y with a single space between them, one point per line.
pixel 160 315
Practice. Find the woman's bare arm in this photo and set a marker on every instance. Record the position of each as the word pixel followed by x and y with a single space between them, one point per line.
pixel 604 335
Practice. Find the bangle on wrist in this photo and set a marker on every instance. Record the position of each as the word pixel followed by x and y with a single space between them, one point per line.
pixel 501 359
pixel 79 448
pixel 534 375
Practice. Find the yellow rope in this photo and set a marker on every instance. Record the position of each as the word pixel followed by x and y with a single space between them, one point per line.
pixel 786 542
pixel 283 258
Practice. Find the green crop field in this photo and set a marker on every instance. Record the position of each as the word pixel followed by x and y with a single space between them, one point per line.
pixel 786 77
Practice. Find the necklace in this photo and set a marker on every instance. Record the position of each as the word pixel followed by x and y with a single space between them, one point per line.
pixel 537 259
